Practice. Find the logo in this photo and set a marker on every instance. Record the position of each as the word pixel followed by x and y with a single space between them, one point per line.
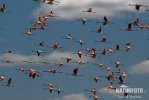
pixel 126 92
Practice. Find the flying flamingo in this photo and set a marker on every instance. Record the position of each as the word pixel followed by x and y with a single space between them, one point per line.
pixel 92 90
pixel 33 73
pixel 22 69
pixel 68 59
pixel 53 71
pixel 2 78
pixel 137 6
pixel 89 10
pixel 81 62
pixel 75 72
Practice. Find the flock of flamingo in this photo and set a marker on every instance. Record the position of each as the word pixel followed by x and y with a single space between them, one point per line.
pixel 114 74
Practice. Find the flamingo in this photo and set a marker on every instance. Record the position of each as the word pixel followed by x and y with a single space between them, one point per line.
pixel 9 82
pixel 99 65
pixel 147 26
pixel 96 79
pixel 141 26
pixel 3 9
pixel 87 49
pixel 45 18
pixel 117 47
pixel 127 48
pixel 2 78
pixel 110 50
pixel 68 59
pixel 110 76
pixel 51 14
pixel 60 64
pixel 28 61
pixel 103 52
pixel 96 97
pixel 93 53
pixel 83 20
pixel 43 26
pixel 79 53
pixel 49 85
pixel 33 73
pixel 137 6
pixel 110 86
pixel 9 51
pixel 75 72
pixel 39 21
pixel 42 43
pixel 118 70
pixel 108 68
pixel 52 71
pixel 8 61
pixel 99 30
pixel 124 74
pixel 121 81
pixel 117 64
pixel 92 90
pixel 51 2
pixel 68 36
pixel 105 20
pixel 44 62
pixel 126 92
pixel 56 46
pixel 81 62
pixel 136 22
pixel 89 10
pixel 51 89
pixel 59 91
pixel 103 40
pixel 81 42
pixel 33 27
pixel 29 32
pixel 22 69
pixel 39 52
pixel 129 28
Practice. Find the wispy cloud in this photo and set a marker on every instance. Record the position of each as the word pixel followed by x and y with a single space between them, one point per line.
pixel 140 69
pixel 111 92
pixel 106 91
pixel 78 96
pixel 69 9
pixel 54 57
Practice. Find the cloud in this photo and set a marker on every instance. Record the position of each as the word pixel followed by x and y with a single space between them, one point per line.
pixel 57 55
pixel 111 92
pixel 106 91
pixel 69 9
pixel 54 57
pixel 140 69
pixel 78 96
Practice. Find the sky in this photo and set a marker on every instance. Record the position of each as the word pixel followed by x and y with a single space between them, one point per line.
pixel 22 13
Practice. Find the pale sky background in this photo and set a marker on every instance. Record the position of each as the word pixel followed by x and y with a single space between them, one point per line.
pixel 23 12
